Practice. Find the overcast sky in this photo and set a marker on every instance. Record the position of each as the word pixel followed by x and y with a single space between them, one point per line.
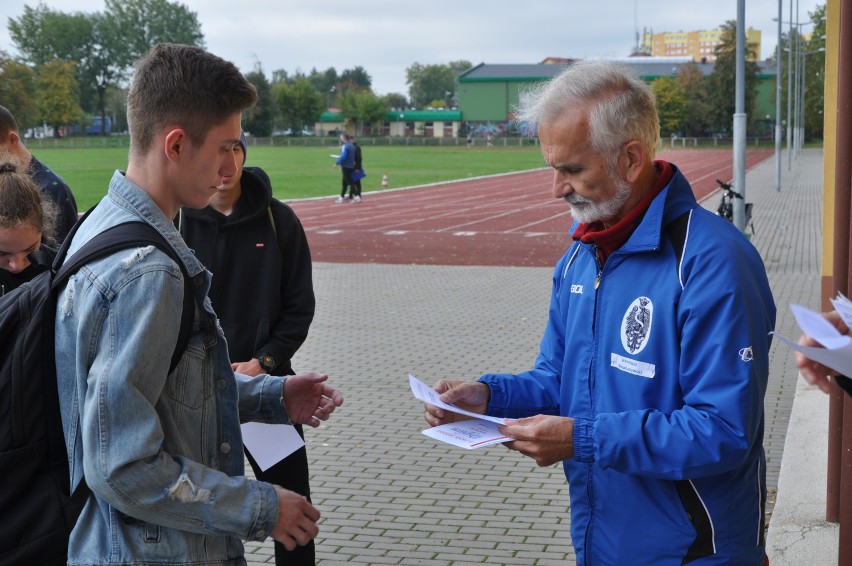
pixel 385 37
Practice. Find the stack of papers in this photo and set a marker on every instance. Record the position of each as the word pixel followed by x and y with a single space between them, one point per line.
pixel 836 352
pixel 478 431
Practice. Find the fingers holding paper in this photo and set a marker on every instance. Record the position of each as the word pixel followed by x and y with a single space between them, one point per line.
pixel 544 438
pixel 812 371
pixel 471 396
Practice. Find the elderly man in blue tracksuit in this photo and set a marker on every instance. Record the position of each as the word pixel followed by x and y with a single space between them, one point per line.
pixel 650 381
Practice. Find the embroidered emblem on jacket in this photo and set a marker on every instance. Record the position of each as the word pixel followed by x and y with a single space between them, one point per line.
pixel 636 326
pixel 746 354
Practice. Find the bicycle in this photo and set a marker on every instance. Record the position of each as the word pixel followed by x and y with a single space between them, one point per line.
pixel 726 205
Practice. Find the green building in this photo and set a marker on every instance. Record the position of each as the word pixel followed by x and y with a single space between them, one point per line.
pixel 487 94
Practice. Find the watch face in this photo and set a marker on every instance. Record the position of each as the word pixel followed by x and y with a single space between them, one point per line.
pixel 267 362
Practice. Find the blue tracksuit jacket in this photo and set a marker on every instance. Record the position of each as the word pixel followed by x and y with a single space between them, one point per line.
pixel 663 363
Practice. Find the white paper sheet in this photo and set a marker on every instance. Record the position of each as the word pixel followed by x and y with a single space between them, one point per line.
pixel 470 434
pixel 844 308
pixel 270 443
pixel 479 431
pixel 429 395
pixel 837 351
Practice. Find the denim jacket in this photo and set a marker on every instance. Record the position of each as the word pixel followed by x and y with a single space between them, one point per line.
pixel 162 454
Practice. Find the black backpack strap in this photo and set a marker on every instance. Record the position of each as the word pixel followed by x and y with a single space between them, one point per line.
pixel 123 236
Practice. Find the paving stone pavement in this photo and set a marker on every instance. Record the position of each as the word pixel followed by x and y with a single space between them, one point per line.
pixel 390 495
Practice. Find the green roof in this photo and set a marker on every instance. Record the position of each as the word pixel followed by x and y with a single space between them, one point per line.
pixel 403 116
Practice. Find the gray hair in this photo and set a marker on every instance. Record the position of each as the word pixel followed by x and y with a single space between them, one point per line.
pixel 621 104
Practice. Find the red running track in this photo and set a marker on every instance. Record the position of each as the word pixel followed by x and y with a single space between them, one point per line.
pixel 506 220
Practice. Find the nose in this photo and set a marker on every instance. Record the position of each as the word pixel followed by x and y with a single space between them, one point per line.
pixel 229 165
pixel 17 262
pixel 561 185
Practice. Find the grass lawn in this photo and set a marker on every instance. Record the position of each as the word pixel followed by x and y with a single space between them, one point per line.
pixel 299 172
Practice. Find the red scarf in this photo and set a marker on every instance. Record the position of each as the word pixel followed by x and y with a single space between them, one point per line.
pixel 607 240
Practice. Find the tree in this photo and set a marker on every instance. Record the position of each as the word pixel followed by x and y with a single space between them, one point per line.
pixel 395 100
pixel 693 83
pixel 362 107
pixel 58 94
pixel 299 103
pixel 357 76
pixel 433 82
pixel 671 103
pixel 17 91
pixel 104 45
pixel 323 81
pixel 723 81
pixel 144 23
pixel 104 68
pixel 814 75
pixel 260 119
pixel 42 35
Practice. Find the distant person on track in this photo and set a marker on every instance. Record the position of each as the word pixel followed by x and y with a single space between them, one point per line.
pixel 346 161
pixel 49 182
pixel 357 173
pixel 649 384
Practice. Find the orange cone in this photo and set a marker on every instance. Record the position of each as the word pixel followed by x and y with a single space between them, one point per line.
pixel 385 180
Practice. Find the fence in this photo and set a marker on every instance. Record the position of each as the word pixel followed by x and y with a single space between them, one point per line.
pixel 413 141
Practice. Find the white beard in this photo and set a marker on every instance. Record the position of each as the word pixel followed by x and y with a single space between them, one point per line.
pixel 586 211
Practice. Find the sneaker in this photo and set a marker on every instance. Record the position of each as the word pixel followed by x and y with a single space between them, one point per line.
pixel 339 200
pixel 356 199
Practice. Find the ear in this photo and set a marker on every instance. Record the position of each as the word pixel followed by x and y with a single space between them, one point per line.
pixel 175 142
pixel 633 155
pixel 14 138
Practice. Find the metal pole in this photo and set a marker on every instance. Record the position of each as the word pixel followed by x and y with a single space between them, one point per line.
pixel 778 52
pixel 803 104
pixel 800 47
pixel 790 46
pixel 740 121
pixel 798 105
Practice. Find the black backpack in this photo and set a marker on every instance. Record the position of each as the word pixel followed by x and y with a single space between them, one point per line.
pixel 37 510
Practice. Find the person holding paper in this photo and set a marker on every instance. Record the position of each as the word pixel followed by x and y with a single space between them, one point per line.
pixel 816 373
pixel 649 384
pixel 262 290
pixel 161 449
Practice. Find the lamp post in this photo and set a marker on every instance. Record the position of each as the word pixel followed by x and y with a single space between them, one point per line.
pixel 778 127
pixel 793 74
pixel 802 97
pixel 330 95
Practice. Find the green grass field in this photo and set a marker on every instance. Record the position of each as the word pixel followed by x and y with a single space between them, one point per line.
pixel 299 172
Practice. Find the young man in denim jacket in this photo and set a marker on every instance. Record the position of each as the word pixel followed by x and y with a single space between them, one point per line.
pixel 162 452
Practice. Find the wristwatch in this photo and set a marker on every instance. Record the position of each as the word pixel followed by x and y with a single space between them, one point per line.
pixel 267 361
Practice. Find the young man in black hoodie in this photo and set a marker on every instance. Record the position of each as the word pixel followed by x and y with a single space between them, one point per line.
pixel 262 290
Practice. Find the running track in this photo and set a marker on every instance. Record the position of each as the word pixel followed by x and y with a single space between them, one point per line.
pixel 505 220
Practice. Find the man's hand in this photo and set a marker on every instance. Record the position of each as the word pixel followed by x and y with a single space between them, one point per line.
pixel 813 372
pixel 297 519
pixel 545 439
pixel 472 396
pixel 309 400
pixel 251 368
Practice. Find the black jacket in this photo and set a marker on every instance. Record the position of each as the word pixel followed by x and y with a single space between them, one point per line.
pixel 55 188
pixel 262 287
